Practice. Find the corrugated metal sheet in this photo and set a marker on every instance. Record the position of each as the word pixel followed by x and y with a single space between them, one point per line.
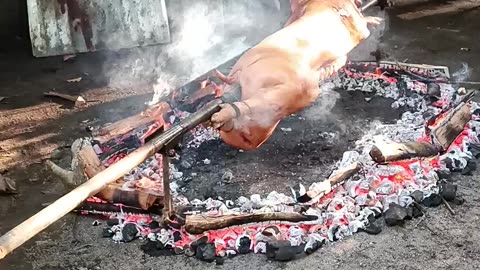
pixel 60 27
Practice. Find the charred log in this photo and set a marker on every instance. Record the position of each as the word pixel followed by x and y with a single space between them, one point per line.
pixel 447 131
pixel 389 152
pixel 199 224
pixel 317 191
pixel 443 135
pixel 122 127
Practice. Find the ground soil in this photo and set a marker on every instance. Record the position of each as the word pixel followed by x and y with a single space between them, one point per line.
pixel 32 126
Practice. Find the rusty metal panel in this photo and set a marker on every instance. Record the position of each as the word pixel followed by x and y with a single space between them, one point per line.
pixel 60 27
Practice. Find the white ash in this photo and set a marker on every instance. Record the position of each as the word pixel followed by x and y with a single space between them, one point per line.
pixel 201 135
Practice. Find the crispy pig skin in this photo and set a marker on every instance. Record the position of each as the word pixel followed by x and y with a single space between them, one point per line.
pixel 280 75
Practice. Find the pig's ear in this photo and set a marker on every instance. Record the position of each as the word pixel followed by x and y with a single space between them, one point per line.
pixel 223 77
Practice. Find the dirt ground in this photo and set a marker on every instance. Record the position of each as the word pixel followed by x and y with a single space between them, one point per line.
pixel 32 126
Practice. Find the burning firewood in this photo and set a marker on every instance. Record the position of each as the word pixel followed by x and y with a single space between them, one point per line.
pixel 85 165
pixel 78 100
pixel 445 132
pixel 197 224
pixel 389 152
pixel 119 128
pixel 325 187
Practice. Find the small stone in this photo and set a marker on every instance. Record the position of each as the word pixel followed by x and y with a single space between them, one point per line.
pixel 448 191
pixel 281 250
pixel 243 244
pixel 373 228
pixel 475 148
pixel 199 241
pixel 470 168
pixel 458 201
pixel 409 213
pixel 220 260
pixel 444 175
pixel 190 252
pixel 154 225
pixel 273 246
pixel 107 233
pixel 433 200
pixel 416 212
pixel 178 250
pixel 129 232
pixel 205 252
pixel 227 176
pixel 462 91
pixel 395 215
pixel 313 246
pixel 112 222
pixel 417 196
pixel 231 253
pixel 96 223
pixel 177 236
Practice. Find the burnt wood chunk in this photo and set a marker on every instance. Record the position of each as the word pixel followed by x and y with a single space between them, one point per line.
pixel 197 224
pixel 390 152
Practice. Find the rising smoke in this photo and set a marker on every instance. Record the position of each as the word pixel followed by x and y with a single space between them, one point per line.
pixel 203 36
pixel 322 109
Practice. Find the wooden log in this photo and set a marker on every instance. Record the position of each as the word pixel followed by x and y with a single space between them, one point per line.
pixel 114 193
pixel 388 152
pixel 323 188
pixel 153 114
pixel 443 135
pixel 77 100
pixel 449 128
pixel 64 205
pixel 197 224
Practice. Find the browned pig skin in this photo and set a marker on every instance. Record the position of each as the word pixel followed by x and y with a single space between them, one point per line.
pixel 280 75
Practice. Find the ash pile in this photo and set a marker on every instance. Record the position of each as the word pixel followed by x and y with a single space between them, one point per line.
pixel 393 175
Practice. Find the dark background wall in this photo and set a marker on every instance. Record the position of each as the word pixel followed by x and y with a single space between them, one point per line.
pixel 13 19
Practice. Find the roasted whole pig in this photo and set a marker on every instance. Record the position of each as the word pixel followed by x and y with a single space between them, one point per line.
pixel 280 75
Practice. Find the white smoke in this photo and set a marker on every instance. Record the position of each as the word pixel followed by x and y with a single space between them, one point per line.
pixel 203 36
pixel 321 109
pixel 463 73
pixel 201 44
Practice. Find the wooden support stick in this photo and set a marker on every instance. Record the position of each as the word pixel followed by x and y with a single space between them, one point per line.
pixel 198 224
pixel 447 205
